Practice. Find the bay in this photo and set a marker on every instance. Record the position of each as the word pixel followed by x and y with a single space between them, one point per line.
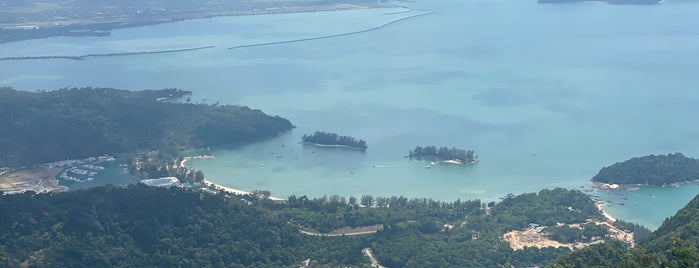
pixel 545 94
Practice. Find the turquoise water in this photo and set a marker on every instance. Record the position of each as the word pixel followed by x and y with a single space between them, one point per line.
pixel 648 206
pixel 111 174
pixel 545 94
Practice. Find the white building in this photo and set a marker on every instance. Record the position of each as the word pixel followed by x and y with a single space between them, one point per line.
pixel 162 182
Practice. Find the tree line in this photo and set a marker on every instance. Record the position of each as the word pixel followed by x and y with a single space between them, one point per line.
pixel 327 138
pixel 149 226
pixel 444 153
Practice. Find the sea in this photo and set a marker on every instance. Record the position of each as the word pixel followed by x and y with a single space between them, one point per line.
pixel 546 94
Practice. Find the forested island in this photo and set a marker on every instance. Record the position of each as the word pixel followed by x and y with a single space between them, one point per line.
pixel 453 155
pixel 655 170
pixel 332 139
pixel 75 123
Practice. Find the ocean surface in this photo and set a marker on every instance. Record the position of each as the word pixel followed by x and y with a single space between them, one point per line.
pixel 545 94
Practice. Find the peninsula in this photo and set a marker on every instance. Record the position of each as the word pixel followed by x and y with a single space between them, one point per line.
pixel 22 20
pixel 321 138
pixel 657 170
pixel 453 155
pixel 86 122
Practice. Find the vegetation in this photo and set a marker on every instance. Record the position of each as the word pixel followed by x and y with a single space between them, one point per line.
pixel 444 153
pixel 640 232
pixel 165 162
pixel 77 17
pixel 672 245
pixel 141 226
pixel 585 233
pixel 326 138
pixel 651 170
pixel 681 229
pixel 86 122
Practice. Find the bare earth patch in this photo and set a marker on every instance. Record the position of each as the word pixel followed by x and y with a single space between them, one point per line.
pixel 39 180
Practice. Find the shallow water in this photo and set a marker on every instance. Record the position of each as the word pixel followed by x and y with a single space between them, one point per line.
pixel 545 94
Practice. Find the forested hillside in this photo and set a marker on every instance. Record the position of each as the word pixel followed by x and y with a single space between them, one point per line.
pixel 142 226
pixel 651 170
pixel 674 244
pixel 46 126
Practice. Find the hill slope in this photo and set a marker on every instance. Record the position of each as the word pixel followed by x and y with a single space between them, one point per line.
pixel 672 245
pixel 651 170
pixel 46 126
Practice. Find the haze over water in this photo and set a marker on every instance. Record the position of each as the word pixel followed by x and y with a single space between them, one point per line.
pixel 545 94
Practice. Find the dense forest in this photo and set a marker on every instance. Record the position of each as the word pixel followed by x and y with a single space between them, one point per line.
pixel 141 226
pixel 326 138
pixel 674 244
pixel 85 122
pixel 651 170
pixel 444 153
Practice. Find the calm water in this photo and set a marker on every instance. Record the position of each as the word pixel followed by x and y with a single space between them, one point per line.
pixel 545 94
pixel 111 174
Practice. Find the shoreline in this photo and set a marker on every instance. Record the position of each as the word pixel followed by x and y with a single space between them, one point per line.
pixel 104 27
pixel 236 191
pixel 606 186
pixel 333 146
pixel 600 206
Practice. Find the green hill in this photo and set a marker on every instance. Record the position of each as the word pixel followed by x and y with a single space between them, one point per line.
pixel 674 244
pixel 37 127
pixel 141 226
pixel 651 170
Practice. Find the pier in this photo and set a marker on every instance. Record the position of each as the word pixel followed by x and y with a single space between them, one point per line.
pixel 427 12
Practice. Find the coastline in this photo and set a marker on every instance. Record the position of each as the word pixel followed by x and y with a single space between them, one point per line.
pixel 236 191
pixel 600 206
pixel 103 27
pixel 333 145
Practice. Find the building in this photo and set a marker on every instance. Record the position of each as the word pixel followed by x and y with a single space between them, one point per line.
pixel 163 182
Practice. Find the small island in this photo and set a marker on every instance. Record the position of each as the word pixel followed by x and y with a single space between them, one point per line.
pixel 453 155
pixel 320 138
pixel 657 170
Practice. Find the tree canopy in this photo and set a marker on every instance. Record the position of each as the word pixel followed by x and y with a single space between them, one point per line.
pixel 140 226
pixel 55 125
pixel 327 138
pixel 674 244
pixel 651 170
pixel 443 153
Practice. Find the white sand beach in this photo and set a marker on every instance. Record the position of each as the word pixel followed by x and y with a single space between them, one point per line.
pixel 236 191
pixel 600 206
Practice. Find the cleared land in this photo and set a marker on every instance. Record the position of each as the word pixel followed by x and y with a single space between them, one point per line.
pixel 39 180
pixel 536 237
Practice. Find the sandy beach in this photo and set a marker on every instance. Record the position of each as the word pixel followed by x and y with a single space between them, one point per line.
pixel 600 206
pixel 236 191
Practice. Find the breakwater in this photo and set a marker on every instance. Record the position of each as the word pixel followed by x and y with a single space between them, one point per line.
pixel 82 57
pixel 332 35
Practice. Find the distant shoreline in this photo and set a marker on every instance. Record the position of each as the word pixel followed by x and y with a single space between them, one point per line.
pixel 83 57
pixel 15 31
